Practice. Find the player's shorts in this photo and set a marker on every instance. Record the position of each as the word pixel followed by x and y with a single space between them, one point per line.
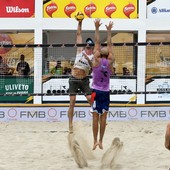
pixel 101 101
pixel 79 85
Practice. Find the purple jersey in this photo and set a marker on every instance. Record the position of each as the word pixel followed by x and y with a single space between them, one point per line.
pixel 101 76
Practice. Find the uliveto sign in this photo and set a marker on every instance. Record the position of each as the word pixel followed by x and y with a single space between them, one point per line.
pixel 19 8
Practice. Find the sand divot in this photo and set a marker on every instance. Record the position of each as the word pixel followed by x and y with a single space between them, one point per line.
pixel 76 151
pixel 79 147
pixel 79 155
pixel 80 137
pixel 109 158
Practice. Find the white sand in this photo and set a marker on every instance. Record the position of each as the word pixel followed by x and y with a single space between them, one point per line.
pixel 44 146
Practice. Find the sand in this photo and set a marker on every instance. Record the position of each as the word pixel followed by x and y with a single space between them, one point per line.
pixel 44 146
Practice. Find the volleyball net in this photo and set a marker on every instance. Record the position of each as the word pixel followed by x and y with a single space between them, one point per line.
pixel 56 60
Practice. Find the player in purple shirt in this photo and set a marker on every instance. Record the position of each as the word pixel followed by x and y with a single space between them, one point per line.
pixel 101 71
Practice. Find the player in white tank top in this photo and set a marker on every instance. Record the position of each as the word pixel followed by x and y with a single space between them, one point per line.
pixel 79 79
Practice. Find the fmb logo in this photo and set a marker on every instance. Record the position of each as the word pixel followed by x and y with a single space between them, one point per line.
pixel 154 10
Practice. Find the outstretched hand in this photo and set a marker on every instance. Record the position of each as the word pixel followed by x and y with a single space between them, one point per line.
pixel 109 26
pixel 97 23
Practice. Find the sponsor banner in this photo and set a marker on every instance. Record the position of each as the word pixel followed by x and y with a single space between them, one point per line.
pixel 91 9
pixel 158 8
pixel 5 39
pixel 158 85
pixel 15 9
pixel 61 85
pixel 11 56
pixel 82 113
pixel 15 38
pixel 16 85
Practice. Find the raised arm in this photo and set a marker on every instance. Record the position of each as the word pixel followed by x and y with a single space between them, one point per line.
pixel 79 39
pixel 97 24
pixel 97 36
pixel 109 42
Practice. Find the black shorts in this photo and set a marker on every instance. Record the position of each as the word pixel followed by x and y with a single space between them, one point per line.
pixel 79 85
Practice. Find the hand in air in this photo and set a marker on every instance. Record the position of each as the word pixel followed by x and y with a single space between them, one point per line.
pixel 97 23
pixel 110 25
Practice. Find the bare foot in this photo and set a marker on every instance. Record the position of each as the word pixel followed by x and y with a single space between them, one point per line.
pixel 95 145
pixel 100 145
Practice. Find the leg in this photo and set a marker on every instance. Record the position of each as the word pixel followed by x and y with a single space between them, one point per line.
pixel 95 129
pixel 167 137
pixel 71 111
pixel 88 97
pixel 85 88
pixel 102 128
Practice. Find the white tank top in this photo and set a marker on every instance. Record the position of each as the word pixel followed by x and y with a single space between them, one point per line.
pixel 82 63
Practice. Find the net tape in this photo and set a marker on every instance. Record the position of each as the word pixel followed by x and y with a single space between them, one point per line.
pixel 81 45
pixel 58 94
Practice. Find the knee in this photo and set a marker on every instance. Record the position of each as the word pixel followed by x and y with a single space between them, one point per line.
pixel 104 116
pixel 71 106
pixel 95 117
pixel 88 98
pixel 72 103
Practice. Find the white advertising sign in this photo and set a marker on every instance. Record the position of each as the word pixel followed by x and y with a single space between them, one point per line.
pixel 158 85
pixel 159 9
pixel 60 114
pixel 61 85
